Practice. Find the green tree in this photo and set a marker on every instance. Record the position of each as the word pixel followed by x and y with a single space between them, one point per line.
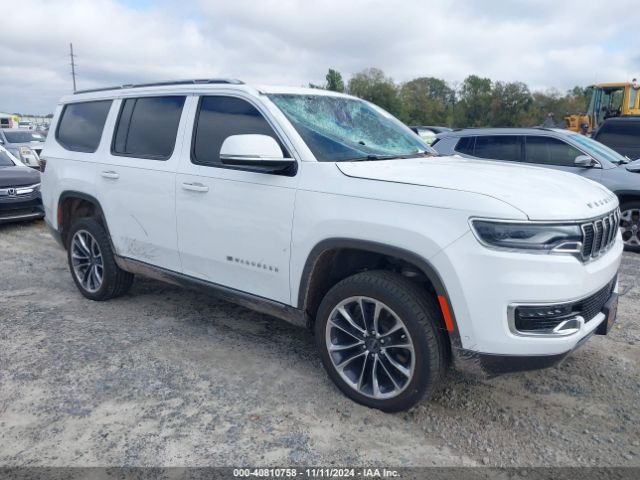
pixel 372 85
pixel 426 101
pixel 334 81
pixel 473 109
pixel 510 103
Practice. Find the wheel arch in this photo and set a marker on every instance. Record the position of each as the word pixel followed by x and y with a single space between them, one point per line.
pixel 318 277
pixel 73 204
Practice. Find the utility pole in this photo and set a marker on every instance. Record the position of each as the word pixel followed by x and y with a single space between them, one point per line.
pixel 73 66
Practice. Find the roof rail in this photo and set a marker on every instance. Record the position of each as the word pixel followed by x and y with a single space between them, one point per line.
pixel 196 81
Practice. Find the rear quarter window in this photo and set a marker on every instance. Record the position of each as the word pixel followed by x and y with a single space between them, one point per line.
pixel 81 125
pixel 465 145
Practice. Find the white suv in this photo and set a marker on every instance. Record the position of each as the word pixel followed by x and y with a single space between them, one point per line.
pixel 326 211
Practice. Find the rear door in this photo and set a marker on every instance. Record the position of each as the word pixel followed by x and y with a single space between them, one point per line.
pixel 234 225
pixel 137 181
pixel 553 153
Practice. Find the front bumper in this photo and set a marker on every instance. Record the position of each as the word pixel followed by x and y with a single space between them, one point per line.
pixel 15 209
pixel 483 283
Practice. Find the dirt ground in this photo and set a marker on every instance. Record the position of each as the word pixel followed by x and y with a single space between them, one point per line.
pixel 169 377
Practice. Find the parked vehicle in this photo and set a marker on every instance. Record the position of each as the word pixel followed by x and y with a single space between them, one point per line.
pixel 622 135
pixel 324 210
pixel 428 133
pixel 25 125
pixel 19 190
pixel 561 150
pixel 25 144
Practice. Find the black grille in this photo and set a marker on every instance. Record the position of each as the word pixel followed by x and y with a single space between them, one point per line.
pixel 587 308
pixel 592 306
pixel 599 234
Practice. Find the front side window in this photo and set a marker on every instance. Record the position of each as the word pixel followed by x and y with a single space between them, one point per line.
pixel 598 149
pixel 340 128
pixel 221 117
pixel 148 126
pixel 81 124
pixel 499 147
pixel 550 151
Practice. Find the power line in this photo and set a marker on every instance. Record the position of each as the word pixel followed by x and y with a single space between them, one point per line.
pixel 73 66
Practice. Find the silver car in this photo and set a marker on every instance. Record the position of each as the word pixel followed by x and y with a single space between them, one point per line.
pixel 561 150
pixel 26 145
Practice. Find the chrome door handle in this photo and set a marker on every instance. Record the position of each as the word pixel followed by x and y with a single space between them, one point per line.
pixel 110 174
pixel 195 187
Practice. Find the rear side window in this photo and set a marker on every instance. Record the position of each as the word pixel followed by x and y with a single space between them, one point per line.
pixel 148 126
pixel 499 147
pixel 465 145
pixel 550 151
pixel 81 124
pixel 221 117
pixel 620 134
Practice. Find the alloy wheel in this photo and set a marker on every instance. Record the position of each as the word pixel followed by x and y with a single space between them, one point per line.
pixel 630 227
pixel 370 347
pixel 86 260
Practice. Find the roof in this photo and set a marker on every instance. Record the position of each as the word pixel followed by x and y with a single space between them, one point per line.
pixel 503 131
pixel 193 85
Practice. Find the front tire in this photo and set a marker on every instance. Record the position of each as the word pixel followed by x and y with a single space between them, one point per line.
pixel 92 264
pixel 379 340
pixel 630 226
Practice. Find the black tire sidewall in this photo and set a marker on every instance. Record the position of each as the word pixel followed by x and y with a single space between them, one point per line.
pixel 109 266
pixel 383 286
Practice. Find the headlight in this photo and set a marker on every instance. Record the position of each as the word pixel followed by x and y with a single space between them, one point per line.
pixel 538 237
pixel 25 151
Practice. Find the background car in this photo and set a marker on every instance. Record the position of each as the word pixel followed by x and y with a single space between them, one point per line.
pixel 19 190
pixel 561 150
pixel 428 133
pixel 24 144
pixel 622 134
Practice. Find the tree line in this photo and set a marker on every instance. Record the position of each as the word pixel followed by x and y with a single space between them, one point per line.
pixel 474 102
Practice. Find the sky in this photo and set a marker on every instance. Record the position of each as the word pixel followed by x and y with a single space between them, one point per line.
pixel 545 43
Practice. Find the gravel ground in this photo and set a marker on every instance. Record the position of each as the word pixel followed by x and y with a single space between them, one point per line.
pixel 169 377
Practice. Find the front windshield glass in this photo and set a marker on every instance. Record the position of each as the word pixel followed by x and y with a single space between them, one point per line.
pixel 23 137
pixel 597 149
pixel 339 128
pixel 5 160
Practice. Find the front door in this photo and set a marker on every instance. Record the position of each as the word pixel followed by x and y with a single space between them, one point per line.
pixel 234 225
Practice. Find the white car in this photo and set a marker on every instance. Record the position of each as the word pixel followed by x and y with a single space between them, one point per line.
pixel 326 211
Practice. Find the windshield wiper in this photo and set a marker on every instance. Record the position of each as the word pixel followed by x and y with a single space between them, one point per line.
pixel 374 156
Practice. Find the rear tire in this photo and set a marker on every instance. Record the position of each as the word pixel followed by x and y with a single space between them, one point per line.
pixel 630 218
pixel 92 264
pixel 390 363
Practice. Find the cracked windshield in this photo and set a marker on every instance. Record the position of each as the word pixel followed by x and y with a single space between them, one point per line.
pixel 340 129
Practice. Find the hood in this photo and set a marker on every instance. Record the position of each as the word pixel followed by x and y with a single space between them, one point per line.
pixel 18 176
pixel 540 193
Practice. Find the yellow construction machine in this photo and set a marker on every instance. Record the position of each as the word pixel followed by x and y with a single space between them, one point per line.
pixel 607 100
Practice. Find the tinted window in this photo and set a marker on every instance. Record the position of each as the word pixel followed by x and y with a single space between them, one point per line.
pixel 148 127
pixel 499 147
pixel 81 125
pixel 620 134
pixel 465 145
pixel 221 117
pixel 5 159
pixel 550 151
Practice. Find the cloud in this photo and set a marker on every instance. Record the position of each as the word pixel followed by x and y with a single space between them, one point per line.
pixel 543 43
